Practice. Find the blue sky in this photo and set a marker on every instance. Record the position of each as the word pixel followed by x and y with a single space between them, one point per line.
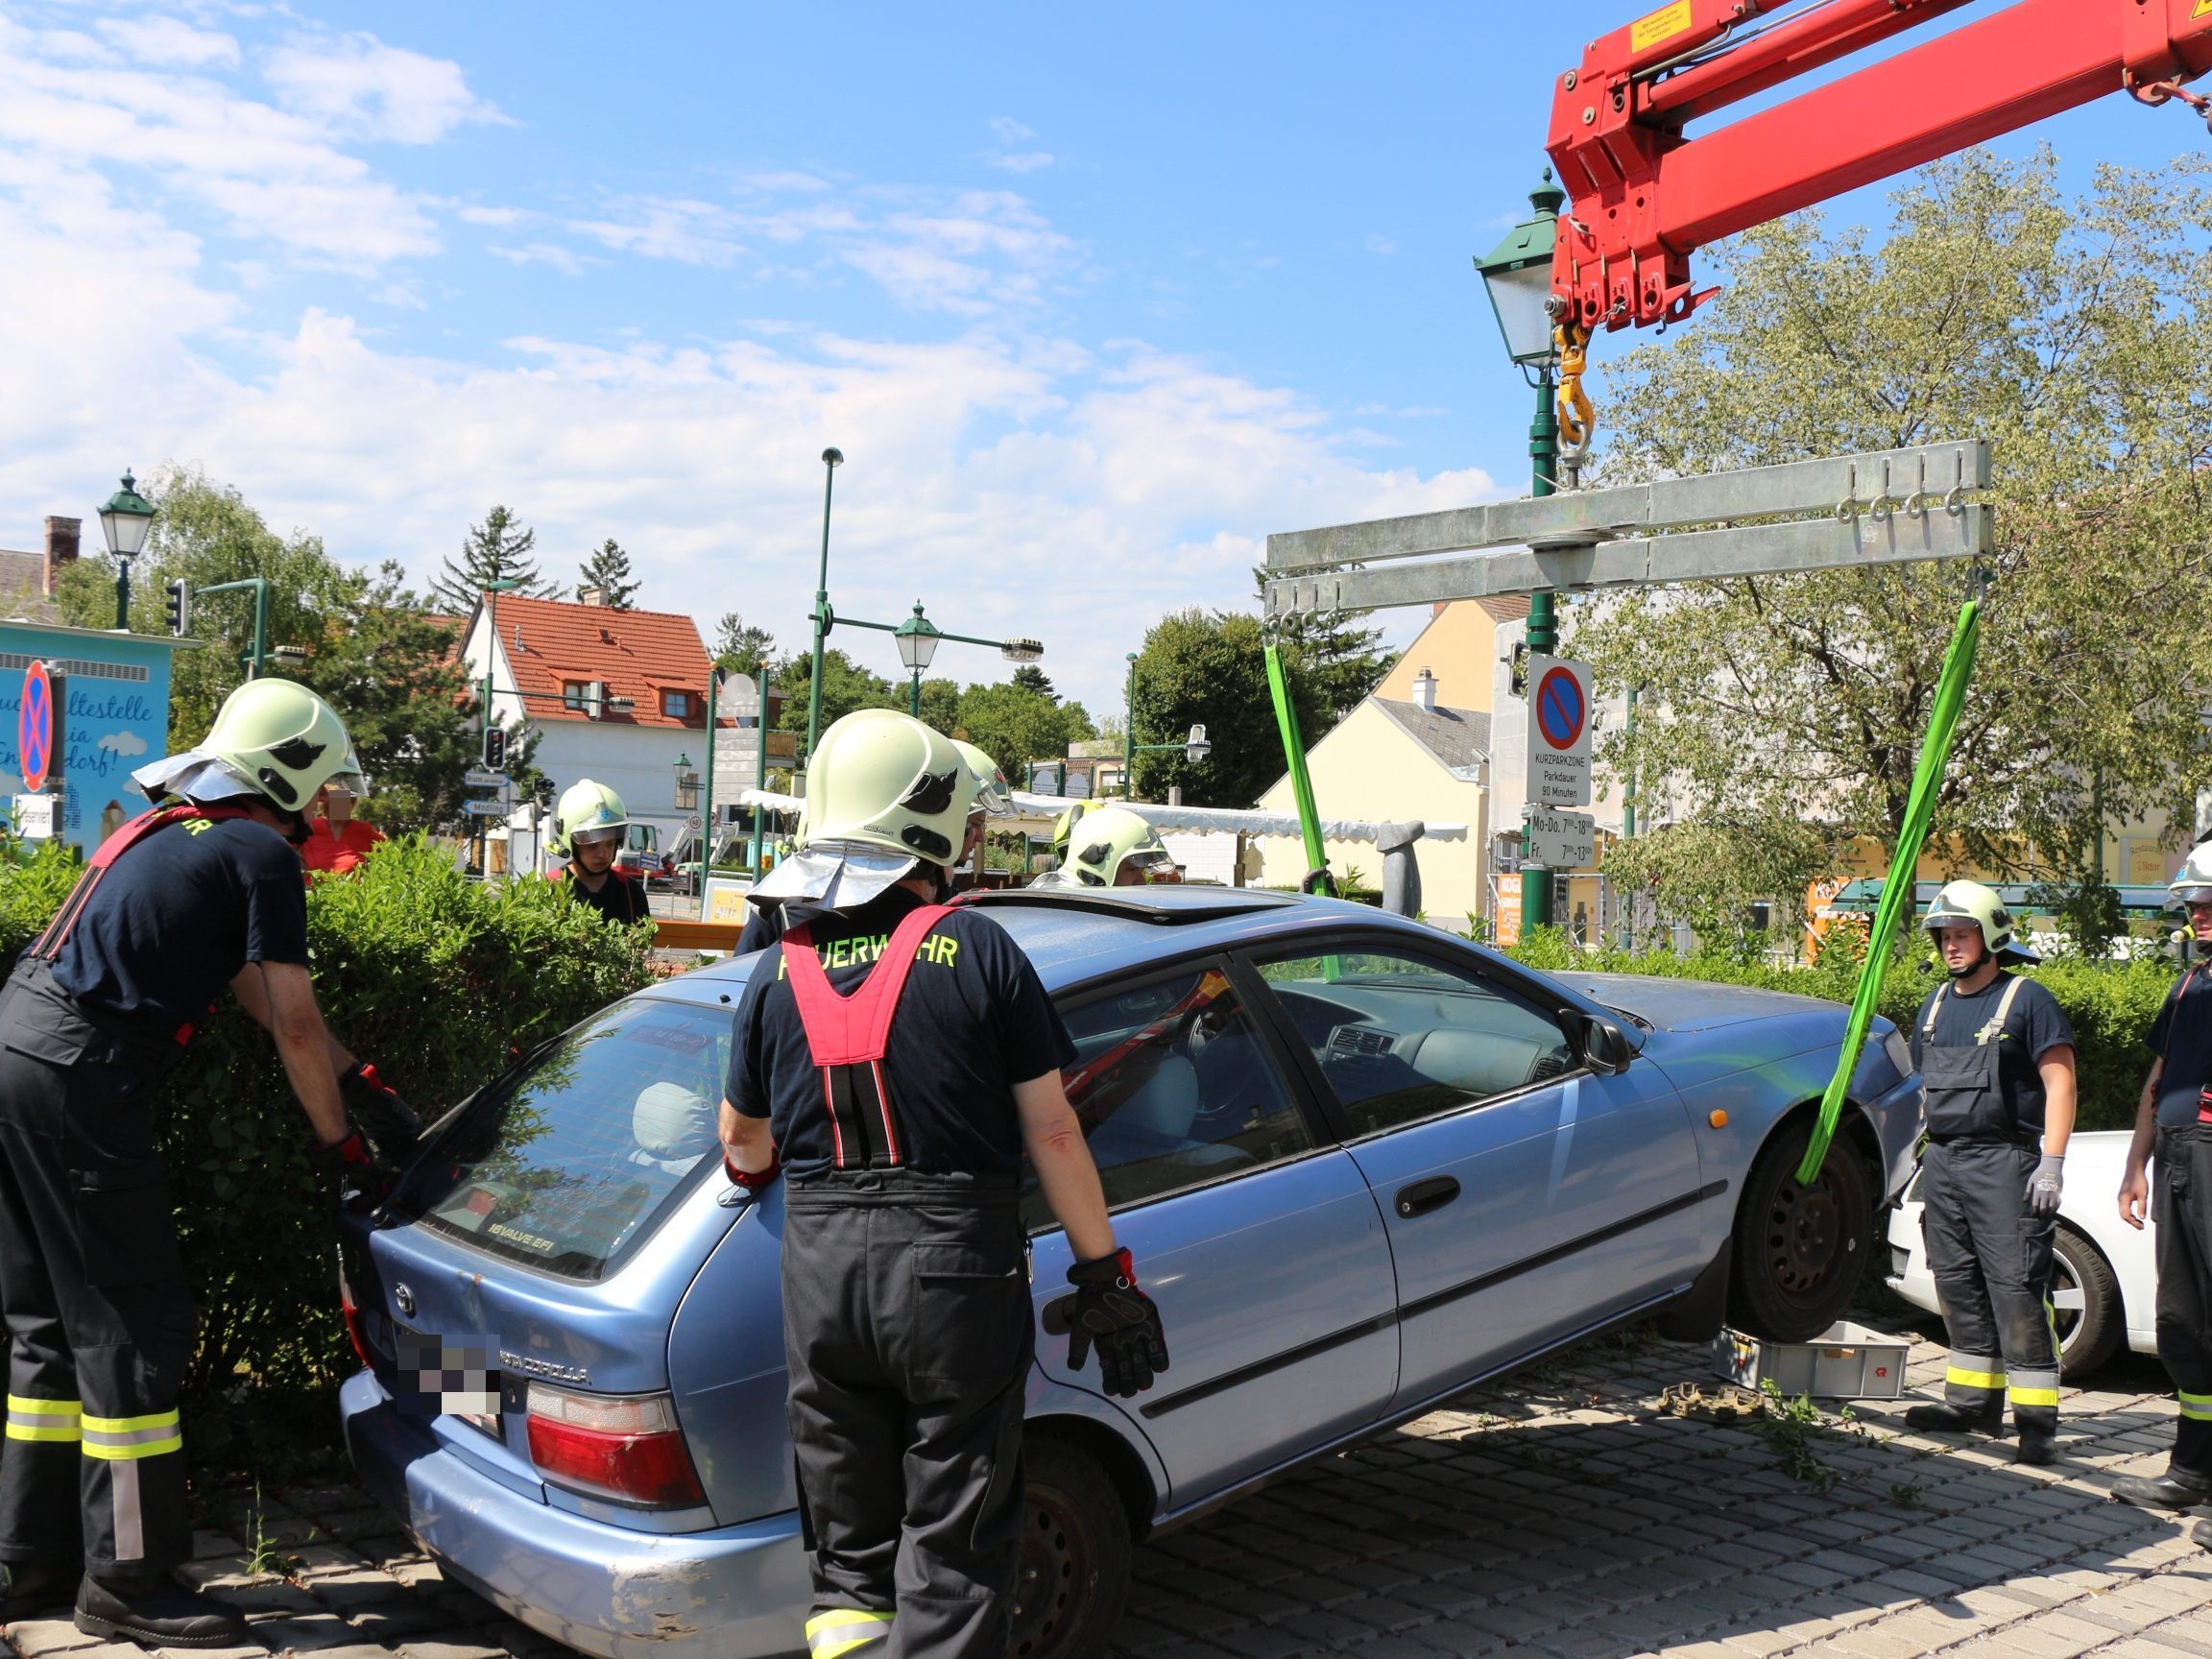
pixel 1092 300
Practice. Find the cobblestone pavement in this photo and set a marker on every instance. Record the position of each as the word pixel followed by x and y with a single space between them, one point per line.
pixel 1554 1514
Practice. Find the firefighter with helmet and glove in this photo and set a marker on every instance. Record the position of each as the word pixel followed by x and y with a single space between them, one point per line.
pixel 1996 1056
pixel 2173 1122
pixel 590 825
pixel 1112 846
pixel 897 1058
pixel 201 892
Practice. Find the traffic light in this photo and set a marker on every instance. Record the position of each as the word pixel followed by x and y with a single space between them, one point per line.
pixel 543 794
pixel 496 747
pixel 178 607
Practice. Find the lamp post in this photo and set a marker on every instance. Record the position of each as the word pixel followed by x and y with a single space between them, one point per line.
pixel 124 521
pixel 257 661
pixel 1517 275
pixel 1194 748
pixel 832 458
pixel 917 638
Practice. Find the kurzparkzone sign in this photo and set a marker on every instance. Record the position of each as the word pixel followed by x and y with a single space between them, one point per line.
pixel 1559 703
pixel 1562 840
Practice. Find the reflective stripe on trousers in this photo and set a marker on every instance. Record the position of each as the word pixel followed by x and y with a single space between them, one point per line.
pixel 43 1419
pixel 842 1631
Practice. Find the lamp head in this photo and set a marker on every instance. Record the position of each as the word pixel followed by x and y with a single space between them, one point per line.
pixel 834 457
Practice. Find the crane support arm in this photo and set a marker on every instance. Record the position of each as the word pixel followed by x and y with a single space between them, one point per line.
pixel 1647 198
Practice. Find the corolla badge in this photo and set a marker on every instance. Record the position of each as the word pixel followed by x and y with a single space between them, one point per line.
pixel 406 1298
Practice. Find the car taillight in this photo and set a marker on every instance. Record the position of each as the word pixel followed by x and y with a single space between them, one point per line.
pixel 621 1446
pixel 351 1315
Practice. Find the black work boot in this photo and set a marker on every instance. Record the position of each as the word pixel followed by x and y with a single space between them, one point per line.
pixel 2035 1447
pixel 2171 1490
pixel 158 1612
pixel 1950 1420
pixel 29 1587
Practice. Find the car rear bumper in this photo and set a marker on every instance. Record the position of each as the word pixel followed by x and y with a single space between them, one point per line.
pixel 733 1592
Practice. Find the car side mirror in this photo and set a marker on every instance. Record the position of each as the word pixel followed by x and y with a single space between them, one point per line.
pixel 1605 1047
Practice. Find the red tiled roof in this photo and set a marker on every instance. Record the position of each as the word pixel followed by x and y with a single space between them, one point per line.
pixel 636 653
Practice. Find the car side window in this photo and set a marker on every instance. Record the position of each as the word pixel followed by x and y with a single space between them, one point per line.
pixel 1400 1038
pixel 1174 1089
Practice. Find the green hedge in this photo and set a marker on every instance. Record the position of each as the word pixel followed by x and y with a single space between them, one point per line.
pixel 437 980
pixel 2109 1004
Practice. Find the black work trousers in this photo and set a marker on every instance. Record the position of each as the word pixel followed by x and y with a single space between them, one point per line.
pixel 908 1332
pixel 1990 1255
pixel 98 1310
pixel 2181 1204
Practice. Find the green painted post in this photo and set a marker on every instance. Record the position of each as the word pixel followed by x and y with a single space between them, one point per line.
pixel 1543 629
pixel 1129 736
pixel 761 770
pixel 707 810
pixel 831 459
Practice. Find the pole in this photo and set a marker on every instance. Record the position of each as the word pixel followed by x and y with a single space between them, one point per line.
pixel 1542 630
pixel 914 696
pixel 1129 736
pixel 484 739
pixel 2097 811
pixel 821 611
pixel 1629 825
pixel 260 628
pixel 707 810
pixel 123 595
pixel 761 769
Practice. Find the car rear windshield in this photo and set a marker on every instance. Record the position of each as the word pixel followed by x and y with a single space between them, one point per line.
pixel 568 1163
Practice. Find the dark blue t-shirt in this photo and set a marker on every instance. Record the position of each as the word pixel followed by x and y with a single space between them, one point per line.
pixel 2034 1026
pixel 2182 1037
pixel 176 918
pixel 972 1021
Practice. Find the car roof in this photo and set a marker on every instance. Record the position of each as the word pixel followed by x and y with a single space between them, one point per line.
pixel 1076 935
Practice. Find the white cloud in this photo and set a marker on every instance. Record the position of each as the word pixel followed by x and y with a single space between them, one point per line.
pixel 357 86
pixel 1030 162
pixel 1010 132
pixel 169 41
pixel 126 743
pixel 1381 245
pixel 498 217
pixel 542 253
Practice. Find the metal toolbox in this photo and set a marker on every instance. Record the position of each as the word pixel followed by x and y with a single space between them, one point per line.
pixel 1845 1361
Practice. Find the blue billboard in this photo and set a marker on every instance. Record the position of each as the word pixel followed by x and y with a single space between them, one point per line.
pixel 116 718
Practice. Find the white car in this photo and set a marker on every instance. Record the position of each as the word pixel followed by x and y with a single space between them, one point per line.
pixel 2107 1275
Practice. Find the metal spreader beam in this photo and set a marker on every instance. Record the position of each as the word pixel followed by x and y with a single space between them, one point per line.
pixel 1883 508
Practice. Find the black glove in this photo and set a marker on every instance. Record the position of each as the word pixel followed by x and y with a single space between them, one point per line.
pixel 350 1174
pixel 1118 1319
pixel 376 1106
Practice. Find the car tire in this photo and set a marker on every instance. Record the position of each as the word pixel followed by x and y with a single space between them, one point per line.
pixel 1799 1250
pixel 2087 1341
pixel 1075 1554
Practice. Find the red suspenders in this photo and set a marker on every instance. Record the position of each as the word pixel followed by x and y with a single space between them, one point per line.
pixel 48 945
pixel 848 1037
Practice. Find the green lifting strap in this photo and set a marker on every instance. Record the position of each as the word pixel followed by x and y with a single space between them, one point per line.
pixel 1897 891
pixel 1294 757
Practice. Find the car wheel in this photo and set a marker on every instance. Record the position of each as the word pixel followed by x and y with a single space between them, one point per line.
pixel 1075 1550
pixel 2085 1303
pixel 1799 1250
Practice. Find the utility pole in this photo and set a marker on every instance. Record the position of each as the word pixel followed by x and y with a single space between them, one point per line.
pixel 832 459
pixel 1542 630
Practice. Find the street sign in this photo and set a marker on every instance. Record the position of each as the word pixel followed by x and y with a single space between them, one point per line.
pixel 483 778
pixel 1562 840
pixel 1558 732
pixel 35 728
pixel 34 817
pixel 484 808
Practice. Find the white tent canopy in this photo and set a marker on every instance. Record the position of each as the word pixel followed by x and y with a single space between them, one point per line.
pixel 1230 821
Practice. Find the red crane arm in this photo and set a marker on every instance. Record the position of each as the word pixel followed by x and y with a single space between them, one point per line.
pixel 1647 198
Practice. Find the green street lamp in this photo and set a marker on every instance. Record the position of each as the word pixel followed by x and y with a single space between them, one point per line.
pixel 1517 275
pixel 917 638
pixel 686 784
pixel 124 521
pixel 832 458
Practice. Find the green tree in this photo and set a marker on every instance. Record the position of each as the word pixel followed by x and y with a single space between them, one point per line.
pixel 739 649
pixel 495 551
pixel 845 687
pixel 608 570
pixel 1014 724
pixel 940 704
pixel 1709 874
pixel 2071 334
pixel 1031 678
pixel 1211 669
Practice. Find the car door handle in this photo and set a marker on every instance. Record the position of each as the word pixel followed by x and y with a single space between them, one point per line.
pixel 1424 1196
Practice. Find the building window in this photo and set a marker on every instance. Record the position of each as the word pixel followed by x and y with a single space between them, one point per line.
pixel 573 693
pixel 675 705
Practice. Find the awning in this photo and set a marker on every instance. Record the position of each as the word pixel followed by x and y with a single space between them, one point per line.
pixel 1231 821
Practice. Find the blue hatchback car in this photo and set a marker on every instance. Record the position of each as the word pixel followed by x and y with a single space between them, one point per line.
pixel 1363 1163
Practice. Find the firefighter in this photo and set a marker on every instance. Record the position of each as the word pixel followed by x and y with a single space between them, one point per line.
pixel 896 1061
pixel 589 828
pixel 1997 1058
pixel 1112 846
pixel 178 903
pixel 993 799
pixel 2174 1117
pixel 338 841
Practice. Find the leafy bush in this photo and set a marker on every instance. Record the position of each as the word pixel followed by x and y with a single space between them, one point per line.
pixel 437 980
pixel 2110 1004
